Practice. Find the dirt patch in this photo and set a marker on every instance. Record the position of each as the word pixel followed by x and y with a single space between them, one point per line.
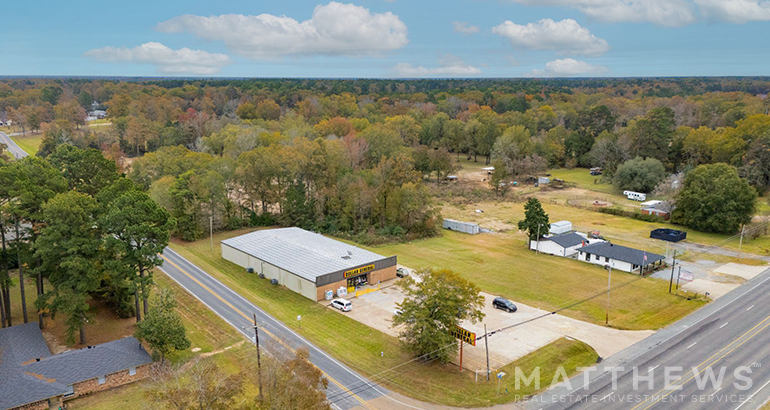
pixel 590 203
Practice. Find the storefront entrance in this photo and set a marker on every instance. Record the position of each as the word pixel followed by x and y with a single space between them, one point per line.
pixel 358 281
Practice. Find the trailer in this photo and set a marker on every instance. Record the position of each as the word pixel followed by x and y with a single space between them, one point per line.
pixel 635 196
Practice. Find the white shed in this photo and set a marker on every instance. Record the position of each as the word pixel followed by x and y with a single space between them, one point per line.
pixel 560 227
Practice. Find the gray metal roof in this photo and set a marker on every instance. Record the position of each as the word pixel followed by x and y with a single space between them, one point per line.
pixel 566 240
pixel 621 253
pixel 24 380
pixel 303 253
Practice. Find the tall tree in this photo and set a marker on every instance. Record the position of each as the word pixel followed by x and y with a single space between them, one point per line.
pixel 137 230
pixel 535 221
pixel 69 247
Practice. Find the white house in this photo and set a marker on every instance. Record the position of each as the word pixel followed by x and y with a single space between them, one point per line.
pixel 560 245
pixel 619 257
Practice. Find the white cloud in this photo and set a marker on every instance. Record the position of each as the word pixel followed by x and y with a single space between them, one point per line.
pixel 670 13
pixel 334 29
pixel 464 28
pixel 568 67
pixel 167 60
pixel 449 66
pixel 565 37
pixel 735 11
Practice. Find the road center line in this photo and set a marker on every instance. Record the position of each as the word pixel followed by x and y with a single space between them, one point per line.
pixel 602 399
pixel 692 345
pixel 715 392
pixel 750 307
pixel 340 385
pixel 653 368
pixel 724 325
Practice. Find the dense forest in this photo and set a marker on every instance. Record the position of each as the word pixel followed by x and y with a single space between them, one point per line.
pixel 354 157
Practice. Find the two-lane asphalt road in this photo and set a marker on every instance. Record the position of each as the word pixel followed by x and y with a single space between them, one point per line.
pixel 347 389
pixel 728 340
pixel 14 149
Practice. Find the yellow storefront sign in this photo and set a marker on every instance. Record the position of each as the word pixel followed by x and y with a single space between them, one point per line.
pixel 357 271
pixel 465 335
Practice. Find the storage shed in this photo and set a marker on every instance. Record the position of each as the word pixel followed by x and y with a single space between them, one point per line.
pixel 460 226
pixel 558 228
pixel 306 262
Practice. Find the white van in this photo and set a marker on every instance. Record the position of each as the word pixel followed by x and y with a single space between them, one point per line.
pixel 635 196
pixel 342 304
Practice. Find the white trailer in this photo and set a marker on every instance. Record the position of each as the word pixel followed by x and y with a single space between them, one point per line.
pixel 635 196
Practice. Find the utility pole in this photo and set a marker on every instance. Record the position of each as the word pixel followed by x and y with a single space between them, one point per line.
pixel 740 243
pixel 211 232
pixel 537 249
pixel 259 360
pixel 679 273
pixel 671 281
pixel 486 346
pixel 461 355
pixel 609 284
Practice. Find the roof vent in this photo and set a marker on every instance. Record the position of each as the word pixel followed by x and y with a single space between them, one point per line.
pixel 37 360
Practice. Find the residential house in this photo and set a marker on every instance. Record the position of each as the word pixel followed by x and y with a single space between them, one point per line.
pixel 565 245
pixel 31 378
pixel 620 257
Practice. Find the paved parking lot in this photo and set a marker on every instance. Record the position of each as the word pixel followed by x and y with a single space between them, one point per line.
pixel 376 310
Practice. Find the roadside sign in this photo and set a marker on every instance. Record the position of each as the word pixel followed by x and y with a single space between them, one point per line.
pixel 686 276
pixel 465 335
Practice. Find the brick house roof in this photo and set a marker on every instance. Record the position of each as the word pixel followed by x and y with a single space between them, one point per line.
pixel 29 373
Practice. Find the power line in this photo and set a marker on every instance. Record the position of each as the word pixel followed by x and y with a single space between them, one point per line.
pixel 383 376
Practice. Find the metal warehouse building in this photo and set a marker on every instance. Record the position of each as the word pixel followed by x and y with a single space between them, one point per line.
pixel 306 262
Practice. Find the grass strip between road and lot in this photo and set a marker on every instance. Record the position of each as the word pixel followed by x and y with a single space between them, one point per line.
pixel 362 348
pixel 30 143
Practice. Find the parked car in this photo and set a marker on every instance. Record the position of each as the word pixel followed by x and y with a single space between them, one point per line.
pixel 504 304
pixel 402 273
pixel 342 304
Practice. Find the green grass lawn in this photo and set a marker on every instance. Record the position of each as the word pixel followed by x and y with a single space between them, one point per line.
pixel 502 264
pixel 619 229
pixel 582 178
pixel 361 346
pixel 30 143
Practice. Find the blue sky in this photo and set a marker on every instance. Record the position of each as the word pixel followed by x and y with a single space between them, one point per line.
pixel 377 38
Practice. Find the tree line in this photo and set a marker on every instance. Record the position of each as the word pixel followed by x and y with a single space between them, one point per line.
pixel 81 231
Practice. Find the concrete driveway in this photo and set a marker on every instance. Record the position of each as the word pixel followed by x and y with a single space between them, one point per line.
pixel 376 310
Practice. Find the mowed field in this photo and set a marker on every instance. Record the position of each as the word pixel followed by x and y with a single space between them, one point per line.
pixel 30 142
pixel 501 264
pixel 369 351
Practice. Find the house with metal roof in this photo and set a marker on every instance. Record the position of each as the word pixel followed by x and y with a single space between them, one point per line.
pixel 620 257
pixel 307 262
pixel 32 378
